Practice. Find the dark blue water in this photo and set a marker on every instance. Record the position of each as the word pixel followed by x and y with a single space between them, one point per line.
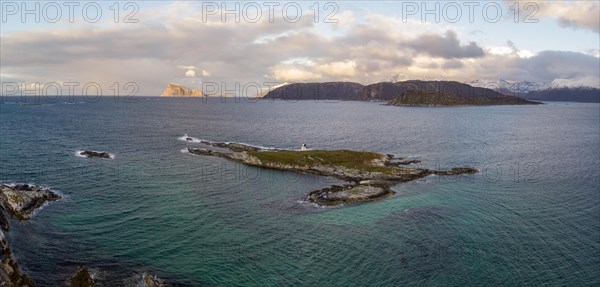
pixel 531 217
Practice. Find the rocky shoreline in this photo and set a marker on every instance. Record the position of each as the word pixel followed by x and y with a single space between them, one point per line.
pixel 84 277
pixel 18 201
pixel 370 175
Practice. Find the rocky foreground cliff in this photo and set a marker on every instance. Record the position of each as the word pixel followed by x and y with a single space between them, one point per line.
pixel 18 202
pixel 174 90
pixel 413 93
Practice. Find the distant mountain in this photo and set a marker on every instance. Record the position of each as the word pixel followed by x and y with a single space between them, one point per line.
pixel 174 90
pixel 317 91
pixel 579 94
pixel 436 98
pixel 414 93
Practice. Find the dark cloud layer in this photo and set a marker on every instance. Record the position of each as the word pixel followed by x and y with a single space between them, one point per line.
pixel 447 46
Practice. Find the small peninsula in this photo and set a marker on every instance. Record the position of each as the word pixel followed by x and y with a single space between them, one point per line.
pixel 369 175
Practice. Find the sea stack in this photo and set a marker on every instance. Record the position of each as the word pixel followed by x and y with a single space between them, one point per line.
pixel 175 90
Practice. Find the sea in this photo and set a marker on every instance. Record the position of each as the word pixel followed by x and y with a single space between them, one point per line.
pixel 530 217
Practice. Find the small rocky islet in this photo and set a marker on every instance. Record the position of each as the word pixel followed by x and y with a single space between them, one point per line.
pixel 369 175
pixel 95 154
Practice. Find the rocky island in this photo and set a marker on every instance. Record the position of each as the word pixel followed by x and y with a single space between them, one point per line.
pixel 92 154
pixel 175 90
pixel 18 201
pixel 406 93
pixel 369 175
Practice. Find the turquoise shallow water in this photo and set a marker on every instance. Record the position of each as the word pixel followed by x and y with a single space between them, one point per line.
pixel 531 217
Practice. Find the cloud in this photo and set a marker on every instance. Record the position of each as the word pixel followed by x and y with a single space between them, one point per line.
pixel 341 69
pixel 568 14
pixel 447 46
pixel 187 67
pixel 293 73
pixel 453 64
pixel 561 65
pixel 366 48
pixel 190 73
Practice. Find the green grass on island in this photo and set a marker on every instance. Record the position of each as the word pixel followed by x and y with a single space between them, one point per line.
pixel 358 160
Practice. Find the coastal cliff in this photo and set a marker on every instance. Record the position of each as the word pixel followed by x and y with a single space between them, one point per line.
pixel 174 90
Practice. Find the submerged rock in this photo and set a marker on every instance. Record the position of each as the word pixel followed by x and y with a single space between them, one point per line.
pixel 456 171
pixel 92 154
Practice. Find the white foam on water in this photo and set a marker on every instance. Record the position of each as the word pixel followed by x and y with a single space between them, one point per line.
pixel 318 206
pixel 35 212
pixel 185 138
pixel 198 140
pixel 259 146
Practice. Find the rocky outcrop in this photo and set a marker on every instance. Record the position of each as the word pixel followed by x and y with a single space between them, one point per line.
pixel 92 154
pixel 370 175
pixel 151 281
pixel 18 201
pixel 174 90
pixel 413 93
pixel 83 278
pixel 337 194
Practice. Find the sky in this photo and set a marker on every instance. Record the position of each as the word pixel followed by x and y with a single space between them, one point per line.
pixel 138 47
